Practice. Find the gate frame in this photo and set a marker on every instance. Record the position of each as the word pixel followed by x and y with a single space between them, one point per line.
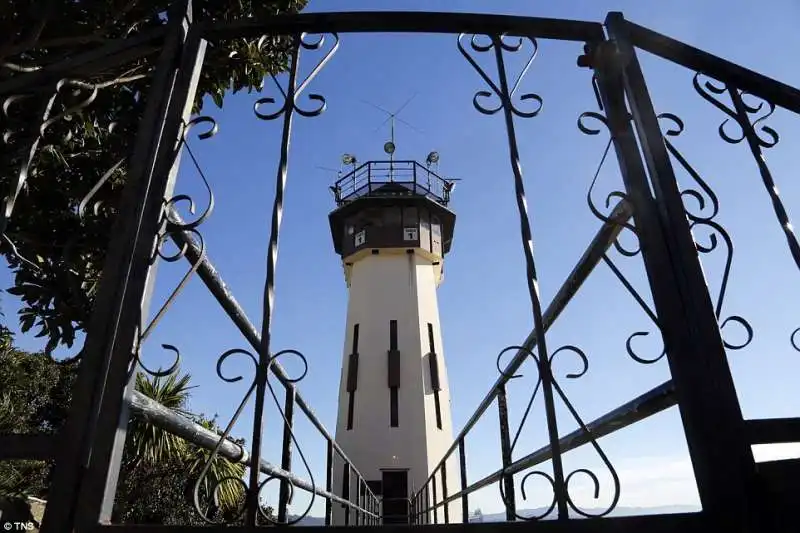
pixel 89 454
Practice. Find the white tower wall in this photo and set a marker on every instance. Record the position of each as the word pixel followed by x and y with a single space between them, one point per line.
pixel 395 285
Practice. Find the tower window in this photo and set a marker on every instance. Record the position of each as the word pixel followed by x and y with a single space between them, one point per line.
pixel 393 374
pixel 360 238
pixel 393 407
pixel 352 379
pixel 434 369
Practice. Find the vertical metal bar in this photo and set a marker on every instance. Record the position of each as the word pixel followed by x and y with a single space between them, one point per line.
pixel 346 493
pixel 329 482
pixel 435 509
pixel 462 461
pixel 723 462
pixel 766 176
pixel 427 503
pixel 262 371
pixel 87 467
pixel 362 496
pixel 444 493
pixel 286 456
pixel 510 499
pixel 533 284
pixel 359 502
pixel 373 509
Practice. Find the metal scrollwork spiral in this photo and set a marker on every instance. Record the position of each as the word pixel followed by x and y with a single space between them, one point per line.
pixel 716 229
pixel 180 253
pixel 201 480
pixel 161 372
pixel 171 204
pixel 288 426
pixel 675 128
pixel 793 339
pixel 499 43
pixel 584 362
pixel 710 88
pixel 97 186
pixel 290 97
pixel 700 221
pixel 51 113
pixel 750 118
pixel 147 330
pixel 629 346
pixel 588 130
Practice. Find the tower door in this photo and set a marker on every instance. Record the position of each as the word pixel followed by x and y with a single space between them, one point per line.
pixel 395 496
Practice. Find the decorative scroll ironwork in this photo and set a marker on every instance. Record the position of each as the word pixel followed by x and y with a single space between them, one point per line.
pixel 584 128
pixel 629 347
pixel 173 223
pixel 545 368
pixel 700 221
pixel 265 360
pixel 72 97
pixel 746 116
pixel 560 483
pixel 706 200
pixel 201 480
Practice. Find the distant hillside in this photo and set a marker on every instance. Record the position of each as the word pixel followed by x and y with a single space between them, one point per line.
pixel 501 517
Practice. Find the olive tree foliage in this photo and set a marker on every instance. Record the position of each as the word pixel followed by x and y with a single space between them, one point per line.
pixel 51 159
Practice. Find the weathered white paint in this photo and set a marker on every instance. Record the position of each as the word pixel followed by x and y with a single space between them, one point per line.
pixel 395 285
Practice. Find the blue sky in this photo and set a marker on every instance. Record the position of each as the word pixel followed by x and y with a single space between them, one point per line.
pixel 483 303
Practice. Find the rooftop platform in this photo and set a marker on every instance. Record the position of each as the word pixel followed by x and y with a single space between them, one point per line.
pixel 407 178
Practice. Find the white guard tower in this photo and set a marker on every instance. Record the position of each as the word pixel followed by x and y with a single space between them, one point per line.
pixel 392 229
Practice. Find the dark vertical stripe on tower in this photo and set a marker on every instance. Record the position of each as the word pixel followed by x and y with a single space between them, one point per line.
pixel 352 378
pixel 434 368
pixel 394 374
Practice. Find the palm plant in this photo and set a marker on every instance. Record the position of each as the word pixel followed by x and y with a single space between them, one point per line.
pixel 152 445
pixel 221 484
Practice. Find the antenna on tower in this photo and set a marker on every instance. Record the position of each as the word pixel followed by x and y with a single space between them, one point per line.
pixel 389 147
pixel 337 193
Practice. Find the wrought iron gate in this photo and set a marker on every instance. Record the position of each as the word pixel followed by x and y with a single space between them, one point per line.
pixel 735 495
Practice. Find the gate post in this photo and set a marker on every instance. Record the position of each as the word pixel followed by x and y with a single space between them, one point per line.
pixel 92 440
pixel 723 462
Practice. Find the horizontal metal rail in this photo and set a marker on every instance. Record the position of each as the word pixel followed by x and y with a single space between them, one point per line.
pixel 668 523
pixel 772 430
pixel 697 60
pixel 213 281
pixel 369 177
pixel 177 424
pixel 407 22
pixel 600 244
pixel 648 404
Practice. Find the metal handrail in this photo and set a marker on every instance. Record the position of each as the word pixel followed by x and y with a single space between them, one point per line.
pixel 366 179
pixel 602 241
pixel 185 241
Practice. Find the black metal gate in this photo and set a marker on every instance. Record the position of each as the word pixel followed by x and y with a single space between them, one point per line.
pixel 735 495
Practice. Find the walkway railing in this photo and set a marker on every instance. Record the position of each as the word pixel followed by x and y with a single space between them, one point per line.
pixel 427 500
pixel 365 503
pixel 368 178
